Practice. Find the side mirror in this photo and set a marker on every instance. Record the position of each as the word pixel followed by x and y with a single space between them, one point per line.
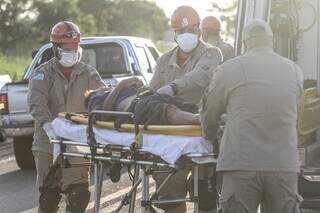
pixel 34 53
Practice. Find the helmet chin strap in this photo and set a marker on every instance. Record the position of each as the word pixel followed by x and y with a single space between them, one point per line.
pixel 55 51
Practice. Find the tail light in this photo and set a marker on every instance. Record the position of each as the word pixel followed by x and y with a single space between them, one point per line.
pixel 4 104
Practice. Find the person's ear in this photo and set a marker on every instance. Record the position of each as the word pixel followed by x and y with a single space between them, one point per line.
pixel 175 37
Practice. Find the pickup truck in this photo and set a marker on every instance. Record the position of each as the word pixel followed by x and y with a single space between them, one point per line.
pixel 115 58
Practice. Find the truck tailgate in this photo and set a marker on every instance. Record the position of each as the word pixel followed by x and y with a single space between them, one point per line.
pixel 18 107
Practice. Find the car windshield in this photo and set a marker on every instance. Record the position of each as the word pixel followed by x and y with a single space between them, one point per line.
pixel 108 59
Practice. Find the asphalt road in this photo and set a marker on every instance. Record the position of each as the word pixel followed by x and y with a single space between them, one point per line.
pixel 18 194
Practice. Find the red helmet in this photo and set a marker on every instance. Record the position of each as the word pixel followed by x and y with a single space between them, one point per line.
pixel 65 32
pixel 184 16
pixel 211 22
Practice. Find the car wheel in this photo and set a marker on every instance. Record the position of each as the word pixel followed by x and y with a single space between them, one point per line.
pixel 2 136
pixel 23 153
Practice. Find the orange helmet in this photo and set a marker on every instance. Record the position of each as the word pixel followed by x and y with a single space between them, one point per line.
pixel 65 32
pixel 184 16
pixel 211 22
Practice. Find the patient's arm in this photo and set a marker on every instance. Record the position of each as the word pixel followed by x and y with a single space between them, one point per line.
pixel 176 116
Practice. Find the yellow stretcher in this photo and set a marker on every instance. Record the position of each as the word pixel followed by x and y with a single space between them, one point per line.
pixel 180 130
pixel 108 154
pixel 308 120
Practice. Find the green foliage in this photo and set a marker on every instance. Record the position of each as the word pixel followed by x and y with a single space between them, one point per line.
pixel 14 24
pixel 122 17
pixel 13 66
pixel 52 12
pixel 228 17
pixel 26 24
pixel 130 18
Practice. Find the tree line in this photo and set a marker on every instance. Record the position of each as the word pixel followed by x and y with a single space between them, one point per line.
pixel 26 24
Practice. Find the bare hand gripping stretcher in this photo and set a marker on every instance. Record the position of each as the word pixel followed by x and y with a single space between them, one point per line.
pixel 161 150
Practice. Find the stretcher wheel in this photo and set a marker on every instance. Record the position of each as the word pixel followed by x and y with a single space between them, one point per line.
pixel 115 172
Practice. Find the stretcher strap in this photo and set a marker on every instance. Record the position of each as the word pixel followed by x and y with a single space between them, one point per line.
pixel 179 130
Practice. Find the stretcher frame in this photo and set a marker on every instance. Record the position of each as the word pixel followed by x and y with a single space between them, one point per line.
pixel 135 156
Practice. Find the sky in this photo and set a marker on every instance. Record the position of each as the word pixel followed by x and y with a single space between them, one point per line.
pixel 200 5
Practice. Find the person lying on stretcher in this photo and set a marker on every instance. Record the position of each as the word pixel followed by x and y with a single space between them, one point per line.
pixel 149 108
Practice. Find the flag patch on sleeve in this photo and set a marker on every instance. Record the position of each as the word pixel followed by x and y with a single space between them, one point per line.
pixel 39 76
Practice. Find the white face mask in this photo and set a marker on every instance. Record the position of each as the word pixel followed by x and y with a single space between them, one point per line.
pixel 69 58
pixel 187 41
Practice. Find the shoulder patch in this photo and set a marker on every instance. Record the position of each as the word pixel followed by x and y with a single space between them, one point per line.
pixel 39 76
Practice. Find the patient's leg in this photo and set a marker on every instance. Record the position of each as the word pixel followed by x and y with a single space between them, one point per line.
pixel 178 117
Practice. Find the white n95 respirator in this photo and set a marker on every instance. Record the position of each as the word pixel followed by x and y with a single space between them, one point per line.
pixel 68 58
pixel 187 41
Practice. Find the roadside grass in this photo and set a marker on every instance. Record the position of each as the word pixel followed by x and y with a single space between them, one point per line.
pixel 14 66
